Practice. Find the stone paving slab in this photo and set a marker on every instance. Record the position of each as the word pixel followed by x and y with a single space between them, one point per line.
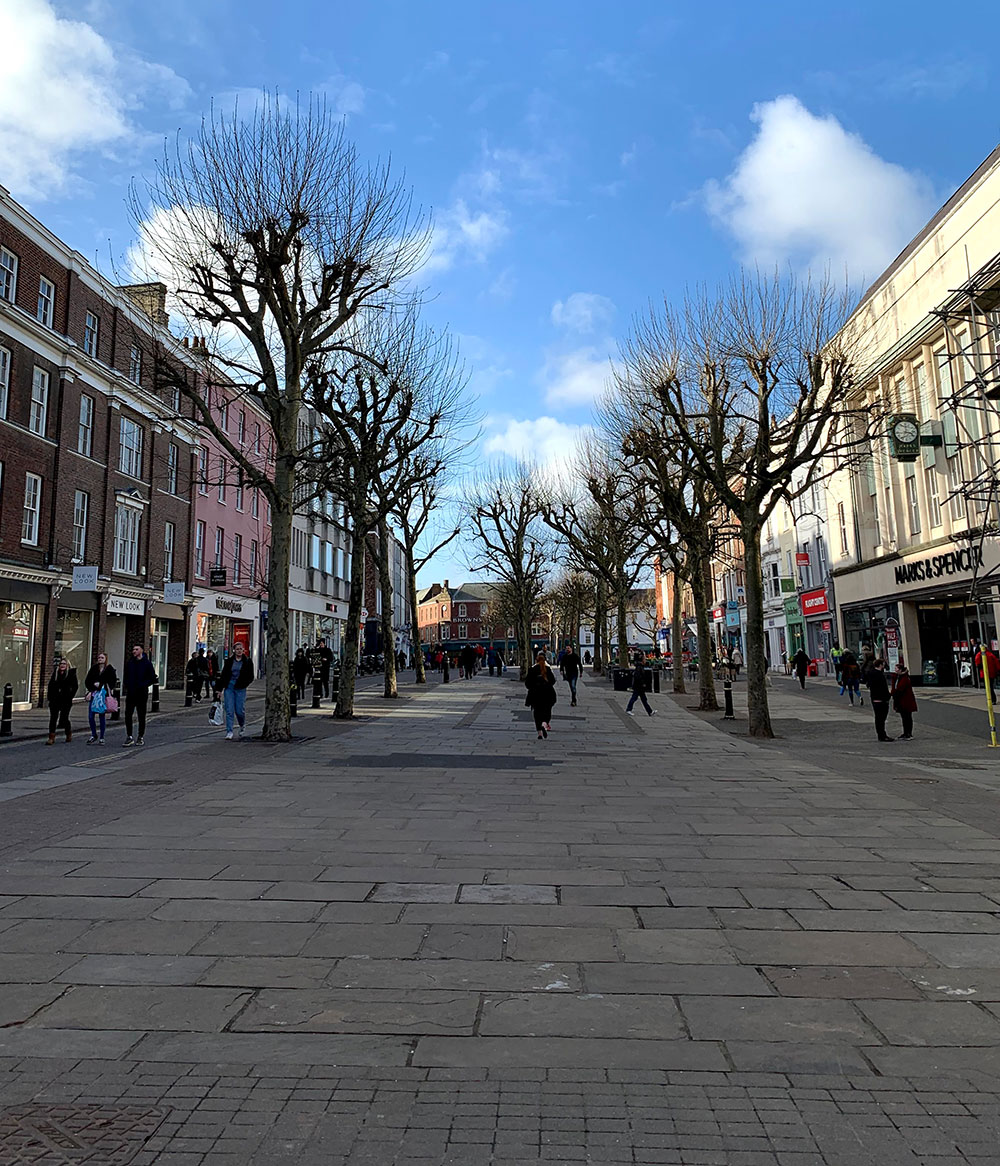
pixel 646 943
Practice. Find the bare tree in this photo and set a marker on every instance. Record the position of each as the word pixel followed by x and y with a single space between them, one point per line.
pixel 504 510
pixel 758 384
pixel 272 237
pixel 398 391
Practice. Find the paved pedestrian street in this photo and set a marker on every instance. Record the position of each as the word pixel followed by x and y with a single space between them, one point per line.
pixel 428 937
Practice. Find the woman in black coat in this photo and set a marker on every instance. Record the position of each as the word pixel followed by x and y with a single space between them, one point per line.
pixel 541 685
pixel 62 688
pixel 101 676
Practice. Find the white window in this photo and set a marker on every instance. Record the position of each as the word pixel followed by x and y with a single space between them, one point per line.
pixel 39 401
pixel 32 508
pixel 255 503
pixel 339 563
pixel 820 559
pixel 81 506
pixel 933 496
pixel 173 459
pixel 254 553
pixel 222 480
pixel 127 520
pixel 85 430
pixel 461 611
pixel 237 555
pixel 199 548
pixel 224 416
pixel 890 531
pixel 842 523
pixel 135 364
pixel 913 505
pixel 943 370
pixel 256 437
pixel 8 275
pixel 445 632
pixel 168 551
pixel 202 470
pixel 805 570
pixel 463 631
pixel 46 301
pixel 4 382
pixel 91 327
pixel 241 427
pixel 130 448
pixel 220 539
pixel 955 501
pixel 239 489
pixel 788 564
pixel 175 400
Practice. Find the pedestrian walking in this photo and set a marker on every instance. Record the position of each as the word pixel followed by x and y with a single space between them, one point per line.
pixel 326 660
pixel 878 691
pixel 192 675
pixel 401 660
pixel 211 671
pixel 237 676
pixel 301 670
pixel 541 685
pixel 138 677
pixel 836 655
pixel 491 660
pixel 100 683
pixel 903 700
pixel 800 662
pixel 468 658
pixel 850 676
pixel 736 662
pixel 61 690
pixel 992 670
pixel 639 686
pixel 572 666
pixel 201 679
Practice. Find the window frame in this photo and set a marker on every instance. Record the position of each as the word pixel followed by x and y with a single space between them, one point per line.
pixel 199 549
pixel 39 378
pixel 45 311
pixel 130 452
pixel 912 506
pixel 127 540
pixel 8 275
pixel 35 511
pixel 91 335
pixel 85 426
pixel 842 522
pixel 135 364
pixel 173 465
pixel 220 546
pixel 933 497
pixel 222 480
pixel 81 517
pixel 5 363
pixel 202 469
pixel 237 556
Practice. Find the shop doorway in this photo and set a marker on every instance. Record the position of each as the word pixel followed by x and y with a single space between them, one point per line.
pixel 114 642
pixel 949 633
pixel 17 637
pixel 159 641
pixel 242 635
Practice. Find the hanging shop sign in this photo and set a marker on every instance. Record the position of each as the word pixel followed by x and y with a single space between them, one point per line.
pixel 802 558
pixel 173 592
pixel 84 579
pixel 815 602
pixel 217 577
pixel 788 584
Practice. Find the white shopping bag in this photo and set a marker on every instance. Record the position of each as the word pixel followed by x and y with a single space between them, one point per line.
pixel 216 716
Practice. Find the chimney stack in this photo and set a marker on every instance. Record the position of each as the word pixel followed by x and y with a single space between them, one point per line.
pixel 150 298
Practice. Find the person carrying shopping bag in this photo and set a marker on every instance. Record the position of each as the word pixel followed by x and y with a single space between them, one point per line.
pixel 100 683
pixel 237 676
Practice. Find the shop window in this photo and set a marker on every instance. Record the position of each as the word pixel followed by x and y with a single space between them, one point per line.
pixel 17 632
pixel 32 508
pixel 39 412
pixel 81 506
pixel 85 429
pixel 46 301
pixel 91 327
pixel 8 275
pixel 127 522
pixel 74 630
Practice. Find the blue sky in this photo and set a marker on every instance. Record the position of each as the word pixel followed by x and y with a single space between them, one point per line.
pixel 578 158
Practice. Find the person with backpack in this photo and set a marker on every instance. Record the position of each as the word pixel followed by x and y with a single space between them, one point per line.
pixel 100 683
pixel 639 686
pixel 850 676
pixel 61 690
pixel 237 676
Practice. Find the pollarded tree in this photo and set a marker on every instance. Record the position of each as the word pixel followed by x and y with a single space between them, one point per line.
pixel 504 512
pixel 273 238
pixel 759 385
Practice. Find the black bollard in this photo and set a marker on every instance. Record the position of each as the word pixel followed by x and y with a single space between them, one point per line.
pixel 335 682
pixel 155 706
pixel 7 717
pixel 447 672
pixel 117 694
pixel 317 689
pixel 727 692
pixel 188 692
pixel 656 680
pixel 293 700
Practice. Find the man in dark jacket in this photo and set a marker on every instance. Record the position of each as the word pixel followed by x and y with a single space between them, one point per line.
pixel 468 658
pixel 800 661
pixel 638 687
pixel 237 675
pixel 138 677
pixel 878 687
pixel 326 659
pixel 571 666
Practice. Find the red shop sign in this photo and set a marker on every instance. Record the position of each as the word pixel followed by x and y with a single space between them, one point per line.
pixel 802 558
pixel 814 602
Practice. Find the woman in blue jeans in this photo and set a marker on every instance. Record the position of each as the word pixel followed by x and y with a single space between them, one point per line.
pixel 237 676
pixel 100 684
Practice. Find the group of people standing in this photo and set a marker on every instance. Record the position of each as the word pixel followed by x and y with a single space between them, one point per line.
pixel 540 683
pixel 101 683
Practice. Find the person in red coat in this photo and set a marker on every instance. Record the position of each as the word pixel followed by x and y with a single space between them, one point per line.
pixel 903 700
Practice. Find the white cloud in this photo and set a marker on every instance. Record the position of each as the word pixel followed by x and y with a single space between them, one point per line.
pixel 460 233
pixel 808 192
pixel 577 377
pixel 583 312
pixel 541 440
pixel 63 91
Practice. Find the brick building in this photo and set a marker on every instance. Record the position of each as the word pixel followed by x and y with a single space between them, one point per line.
pixel 456 616
pixel 95 466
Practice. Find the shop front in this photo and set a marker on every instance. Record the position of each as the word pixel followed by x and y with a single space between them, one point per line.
pixel 311 618
pixel 815 607
pixel 930 595
pixel 220 621
pixel 76 613
pixel 776 640
pixel 22 619
pixel 795 626
pixel 125 627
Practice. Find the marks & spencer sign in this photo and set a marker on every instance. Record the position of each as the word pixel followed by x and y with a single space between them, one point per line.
pixel 958 562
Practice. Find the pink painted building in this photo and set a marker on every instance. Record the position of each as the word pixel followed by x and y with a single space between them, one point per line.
pixel 231 533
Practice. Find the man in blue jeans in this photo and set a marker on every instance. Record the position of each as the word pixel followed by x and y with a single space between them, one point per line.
pixel 639 686
pixel 571 667
pixel 237 676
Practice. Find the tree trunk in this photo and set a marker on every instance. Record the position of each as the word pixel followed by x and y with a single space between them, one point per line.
pixel 391 689
pixel 415 644
pixel 525 631
pixel 758 714
pixel 678 634
pixel 622 632
pixel 707 699
pixel 598 636
pixel 277 711
pixel 349 667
